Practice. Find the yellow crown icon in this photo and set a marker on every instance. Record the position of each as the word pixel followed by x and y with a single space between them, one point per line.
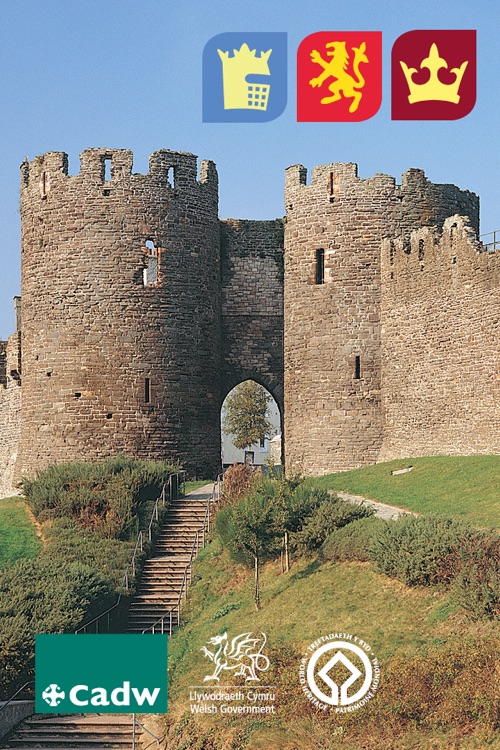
pixel 434 90
pixel 238 94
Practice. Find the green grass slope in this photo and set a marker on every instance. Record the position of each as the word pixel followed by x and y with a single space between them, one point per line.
pixel 401 624
pixel 466 487
pixel 18 537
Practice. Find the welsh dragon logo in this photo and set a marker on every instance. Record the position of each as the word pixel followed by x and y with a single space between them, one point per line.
pixel 243 656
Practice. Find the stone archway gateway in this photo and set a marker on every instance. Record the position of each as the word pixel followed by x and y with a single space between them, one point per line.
pixel 363 313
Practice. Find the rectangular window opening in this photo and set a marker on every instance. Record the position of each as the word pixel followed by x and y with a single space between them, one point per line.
pixel 320 266
pixel 357 367
pixel 150 272
pixel 147 390
pixel 107 169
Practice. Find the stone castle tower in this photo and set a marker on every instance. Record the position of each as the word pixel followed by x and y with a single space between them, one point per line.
pixel 120 303
pixel 333 326
pixel 373 321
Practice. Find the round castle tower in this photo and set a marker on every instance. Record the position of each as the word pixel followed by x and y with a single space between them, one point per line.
pixel 332 339
pixel 121 306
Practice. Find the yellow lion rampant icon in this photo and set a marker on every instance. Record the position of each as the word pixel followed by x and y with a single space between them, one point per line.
pixel 345 84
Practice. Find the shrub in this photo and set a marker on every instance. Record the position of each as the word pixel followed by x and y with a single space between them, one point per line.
pixel 352 542
pixel 477 582
pixel 89 510
pixel 239 481
pixel 66 542
pixel 328 515
pixel 413 549
pixel 452 686
pixel 42 596
pixel 104 497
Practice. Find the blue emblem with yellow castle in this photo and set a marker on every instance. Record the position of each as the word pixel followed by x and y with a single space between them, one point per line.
pixel 245 77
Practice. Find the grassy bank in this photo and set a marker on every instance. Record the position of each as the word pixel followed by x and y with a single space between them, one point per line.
pixel 18 538
pixel 402 625
pixel 465 487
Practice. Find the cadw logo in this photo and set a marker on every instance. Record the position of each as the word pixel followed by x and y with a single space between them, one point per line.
pixel 101 673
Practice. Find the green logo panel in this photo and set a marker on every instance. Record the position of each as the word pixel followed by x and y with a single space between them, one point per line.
pixel 105 674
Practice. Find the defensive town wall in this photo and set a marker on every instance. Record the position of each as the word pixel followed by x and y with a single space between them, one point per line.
pixel 440 344
pixel 10 407
pixel 374 326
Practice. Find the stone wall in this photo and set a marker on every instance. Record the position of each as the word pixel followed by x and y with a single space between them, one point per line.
pixel 141 311
pixel 252 304
pixel 110 363
pixel 440 344
pixel 10 411
pixel 332 315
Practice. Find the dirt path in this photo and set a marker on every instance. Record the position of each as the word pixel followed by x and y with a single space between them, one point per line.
pixel 382 510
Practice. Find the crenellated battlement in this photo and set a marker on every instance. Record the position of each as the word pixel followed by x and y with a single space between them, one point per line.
pixel 370 313
pixel 416 201
pixel 430 262
pixel 105 167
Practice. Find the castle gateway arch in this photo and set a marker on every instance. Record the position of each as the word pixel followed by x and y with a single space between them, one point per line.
pixel 141 309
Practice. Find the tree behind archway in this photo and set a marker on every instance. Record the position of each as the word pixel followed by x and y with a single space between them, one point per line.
pixel 246 414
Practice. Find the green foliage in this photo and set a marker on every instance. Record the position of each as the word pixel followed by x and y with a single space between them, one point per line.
pixel 292 503
pixel 328 515
pixel 413 549
pixel 352 542
pixel 248 532
pixel 91 514
pixel 41 596
pixel 452 686
pixel 477 582
pixel 18 538
pixel 104 497
pixel 67 542
pixel 225 610
pixel 247 529
pixel 239 481
pixel 246 414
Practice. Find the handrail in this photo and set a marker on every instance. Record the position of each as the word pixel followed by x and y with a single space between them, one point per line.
pixel 19 690
pixel 139 544
pixel 188 569
pixel 490 246
pixel 135 721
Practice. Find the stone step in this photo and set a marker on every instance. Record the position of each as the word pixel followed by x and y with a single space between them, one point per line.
pixel 155 609
pixel 80 720
pixel 55 738
pixel 74 732
pixel 155 588
pixel 163 575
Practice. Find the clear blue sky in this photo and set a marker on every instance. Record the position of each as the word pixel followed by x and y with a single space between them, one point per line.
pixel 127 74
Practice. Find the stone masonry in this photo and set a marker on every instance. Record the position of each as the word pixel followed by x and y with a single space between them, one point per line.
pixel 334 390
pixel 373 322
pixel 112 364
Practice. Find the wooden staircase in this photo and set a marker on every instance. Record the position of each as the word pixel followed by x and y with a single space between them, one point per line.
pixel 162 576
pixel 75 732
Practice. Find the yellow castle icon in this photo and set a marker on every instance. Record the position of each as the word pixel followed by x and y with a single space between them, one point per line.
pixel 434 90
pixel 238 94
